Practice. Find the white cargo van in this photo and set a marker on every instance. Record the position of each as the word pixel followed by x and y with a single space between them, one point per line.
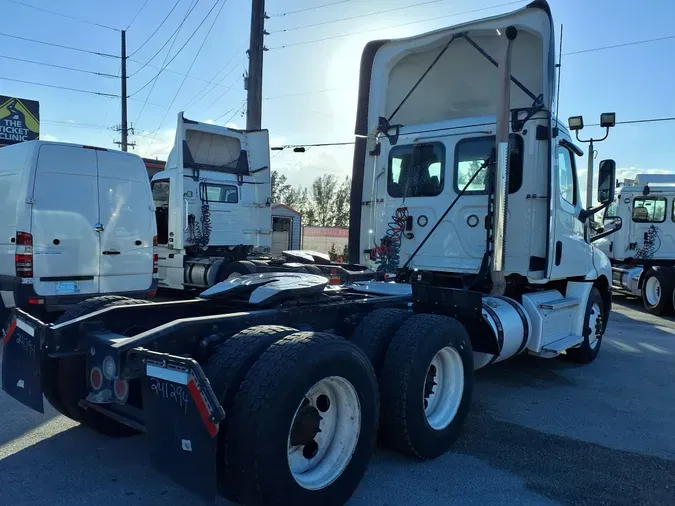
pixel 75 221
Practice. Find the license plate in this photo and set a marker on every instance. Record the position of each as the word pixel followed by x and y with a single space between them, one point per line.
pixel 67 287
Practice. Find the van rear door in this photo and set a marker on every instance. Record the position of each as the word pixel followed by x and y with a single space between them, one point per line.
pixel 66 246
pixel 128 221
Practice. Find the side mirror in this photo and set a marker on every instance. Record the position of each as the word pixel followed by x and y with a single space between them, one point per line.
pixel 606 181
pixel 618 224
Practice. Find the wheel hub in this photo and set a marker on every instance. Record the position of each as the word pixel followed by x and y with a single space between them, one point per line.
pixel 306 426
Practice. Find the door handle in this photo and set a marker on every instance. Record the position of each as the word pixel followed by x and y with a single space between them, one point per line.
pixel 187 204
pixel 111 252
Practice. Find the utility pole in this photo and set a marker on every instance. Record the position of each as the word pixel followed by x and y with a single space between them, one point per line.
pixel 123 127
pixel 125 130
pixel 255 66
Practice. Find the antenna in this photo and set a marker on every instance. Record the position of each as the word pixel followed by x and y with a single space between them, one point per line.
pixel 559 66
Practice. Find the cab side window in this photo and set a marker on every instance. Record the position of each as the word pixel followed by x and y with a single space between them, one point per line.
pixel 567 176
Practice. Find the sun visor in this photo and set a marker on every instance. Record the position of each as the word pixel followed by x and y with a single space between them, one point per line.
pixel 463 79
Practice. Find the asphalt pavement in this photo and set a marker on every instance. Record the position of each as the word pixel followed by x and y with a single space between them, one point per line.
pixel 539 432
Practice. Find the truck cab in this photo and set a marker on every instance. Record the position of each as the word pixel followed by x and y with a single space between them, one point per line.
pixel 642 252
pixel 212 203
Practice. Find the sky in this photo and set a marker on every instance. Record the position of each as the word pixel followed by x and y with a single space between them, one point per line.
pixel 310 89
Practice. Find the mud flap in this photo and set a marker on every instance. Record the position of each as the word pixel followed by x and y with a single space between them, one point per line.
pixel 21 358
pixel 182 417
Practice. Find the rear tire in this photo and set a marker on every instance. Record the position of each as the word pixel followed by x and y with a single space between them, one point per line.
pixel 226 369
pixel 277 413
pixel 235 269
pixel 657 291
pixel 64 379
pixel 426 386
pixel 376 331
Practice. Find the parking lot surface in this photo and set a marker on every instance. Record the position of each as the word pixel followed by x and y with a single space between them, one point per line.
pixel 539 432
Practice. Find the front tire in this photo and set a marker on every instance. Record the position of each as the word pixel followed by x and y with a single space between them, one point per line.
pixel 595 322
pixel 657 291
pixel 426 386
pixel 305 421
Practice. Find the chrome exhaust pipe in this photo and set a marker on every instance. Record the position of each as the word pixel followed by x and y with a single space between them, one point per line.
pixel 501 187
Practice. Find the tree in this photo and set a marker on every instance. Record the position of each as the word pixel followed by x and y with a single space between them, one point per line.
pixel 341 205
pixel 324 190
pixel 280 187
pixel 332 253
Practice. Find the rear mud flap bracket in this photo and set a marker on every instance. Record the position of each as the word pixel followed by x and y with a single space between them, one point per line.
pixel 182 417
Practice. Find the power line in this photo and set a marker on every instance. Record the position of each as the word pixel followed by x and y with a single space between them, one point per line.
pixel 395 26
pixel 192 6
pixel 220 96
pixel 59 87
pixel 243 104
pixel 637 121
pixel 309 8
pixel 156 29
pixel 215 18
pixel 63 15
pixel 322 23
pixel 152 88
pixel 102 74
pixel 181 48
pixel 319 145
pixel 195 99
pixel 139 11
pixel 58 45
pixel 668 37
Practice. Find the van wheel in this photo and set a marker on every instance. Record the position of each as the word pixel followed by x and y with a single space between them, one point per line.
pixel 65 383
pixel 226 369
pixel 305 420
pixel 657 291
pixel 376 331
pixel 426 386
pixel 595 322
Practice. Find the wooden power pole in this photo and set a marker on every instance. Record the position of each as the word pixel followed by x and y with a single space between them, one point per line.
pixel 255 66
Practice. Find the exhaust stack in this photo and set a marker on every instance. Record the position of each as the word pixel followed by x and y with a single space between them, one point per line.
pixel 501 187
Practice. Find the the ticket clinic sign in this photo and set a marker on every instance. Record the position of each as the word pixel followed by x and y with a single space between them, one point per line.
pixel 19 120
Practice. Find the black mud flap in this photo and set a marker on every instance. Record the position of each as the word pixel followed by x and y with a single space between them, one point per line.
pixel 182 417
pixel 21 358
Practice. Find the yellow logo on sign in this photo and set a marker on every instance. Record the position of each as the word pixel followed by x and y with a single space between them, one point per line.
pixel 17 121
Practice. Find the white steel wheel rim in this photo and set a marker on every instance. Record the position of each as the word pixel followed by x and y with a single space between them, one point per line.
pixel 595 324
pixel 653 291
pixel 336 441
pixel 444 388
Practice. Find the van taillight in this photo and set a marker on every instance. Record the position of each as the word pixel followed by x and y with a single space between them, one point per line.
pixel 155 257
pixel 23 258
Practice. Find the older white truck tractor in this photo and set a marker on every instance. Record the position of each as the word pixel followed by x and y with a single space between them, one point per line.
pixel 642 252
pixel 272 388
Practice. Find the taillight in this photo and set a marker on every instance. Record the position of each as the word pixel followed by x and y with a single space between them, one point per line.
pixel 121 390
pixel 155 257
pixel 96 378
pixel 23 258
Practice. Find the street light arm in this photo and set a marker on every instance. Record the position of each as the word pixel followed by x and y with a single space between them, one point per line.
pixel 591 140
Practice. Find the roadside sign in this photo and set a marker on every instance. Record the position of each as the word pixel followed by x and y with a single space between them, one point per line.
pixel 19 120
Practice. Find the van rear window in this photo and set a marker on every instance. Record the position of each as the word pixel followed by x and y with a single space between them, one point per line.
pixel 224 193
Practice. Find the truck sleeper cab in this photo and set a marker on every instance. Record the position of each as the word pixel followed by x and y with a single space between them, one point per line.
pixel 75 221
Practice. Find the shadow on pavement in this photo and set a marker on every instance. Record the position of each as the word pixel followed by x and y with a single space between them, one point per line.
pixel 565 469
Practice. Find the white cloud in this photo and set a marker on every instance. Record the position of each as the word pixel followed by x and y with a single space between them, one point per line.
pixel 621 174
pixel 47 137
pixel 209 121
pixel 232 125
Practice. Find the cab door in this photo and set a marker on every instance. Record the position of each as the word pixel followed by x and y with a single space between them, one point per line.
pixel 571 255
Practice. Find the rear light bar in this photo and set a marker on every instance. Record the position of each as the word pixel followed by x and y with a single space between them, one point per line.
pixel 23 257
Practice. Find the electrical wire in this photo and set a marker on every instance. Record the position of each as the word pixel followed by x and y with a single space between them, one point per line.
pixel 197 98
pixel 152 88
pixel 309 9
pixel 322 23
pixel 220 96
pixel 137 13
pixel 63 15
pixel 102 74
pixel 215 18
pixel 233 114
pixel 178 28
pixel 59 87
pixel 58 45
pixel 625 44
pixel 156 29
pixel 395 26
pixel 636 121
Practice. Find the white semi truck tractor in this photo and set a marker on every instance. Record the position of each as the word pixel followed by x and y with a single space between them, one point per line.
pixel 642 252
pixel 272 388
